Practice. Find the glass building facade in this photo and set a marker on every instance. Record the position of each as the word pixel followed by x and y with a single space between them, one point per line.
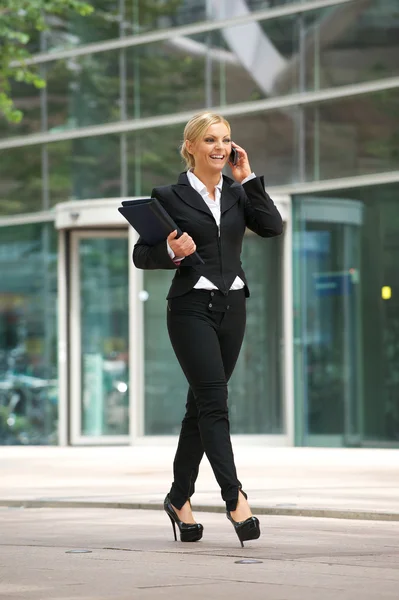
pixel 311 89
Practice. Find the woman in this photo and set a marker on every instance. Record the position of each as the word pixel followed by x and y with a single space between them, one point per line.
pixel 206 306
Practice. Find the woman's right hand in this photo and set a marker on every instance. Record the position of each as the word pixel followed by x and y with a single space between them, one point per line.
pixel 183 246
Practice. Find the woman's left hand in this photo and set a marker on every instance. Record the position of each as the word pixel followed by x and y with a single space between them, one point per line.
pixel 242 169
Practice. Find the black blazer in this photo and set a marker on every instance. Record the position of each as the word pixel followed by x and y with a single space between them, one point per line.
pixel 241 206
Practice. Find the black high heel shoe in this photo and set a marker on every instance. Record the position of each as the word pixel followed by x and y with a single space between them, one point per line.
pixel 189 532
pixel 245 530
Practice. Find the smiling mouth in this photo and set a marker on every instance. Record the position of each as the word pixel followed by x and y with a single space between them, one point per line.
pixel 217 157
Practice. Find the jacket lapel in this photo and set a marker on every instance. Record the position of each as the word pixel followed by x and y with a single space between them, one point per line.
pixel 189 195
pixel 230 194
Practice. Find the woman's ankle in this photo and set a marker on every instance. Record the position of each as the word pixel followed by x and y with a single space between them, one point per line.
pixel 185 513
pixel 242 510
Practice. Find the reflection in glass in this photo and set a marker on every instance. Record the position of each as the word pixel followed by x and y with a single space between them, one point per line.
pixel 255 390
pixel 163 79
pixel 84 168
pixel 353 136
pixel 210 69
pixel 83 91
pixel 104 336
pixel 74 30
pixel 351 43
pixel 153 158
pixel 27 100
pixel 338 45
pixel 136 16
pixel 270 141
pixel 21 180
pixel 28 335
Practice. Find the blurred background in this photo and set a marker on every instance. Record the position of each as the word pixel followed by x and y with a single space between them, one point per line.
pixel 311 89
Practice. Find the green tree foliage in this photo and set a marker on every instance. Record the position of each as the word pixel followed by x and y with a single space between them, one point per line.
pixel 19 19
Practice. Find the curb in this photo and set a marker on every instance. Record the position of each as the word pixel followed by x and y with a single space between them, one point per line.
pixel 320 513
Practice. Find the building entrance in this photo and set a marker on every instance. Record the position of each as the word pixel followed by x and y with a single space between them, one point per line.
pixel 119 382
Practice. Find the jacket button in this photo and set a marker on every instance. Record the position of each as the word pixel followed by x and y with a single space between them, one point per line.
pixel 210 305
pixel 212 293
pixel 228 307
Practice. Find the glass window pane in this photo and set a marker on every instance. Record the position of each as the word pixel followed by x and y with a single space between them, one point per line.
pixel 153 158
pixel 255 60
pixel 28 335
pixel 84 168
pixel 21 180
pixel 270 142
pixel 74 30
pixel 351 43
pixel 83 91
pixel 212 68
pixel 353 136
pixel 163 80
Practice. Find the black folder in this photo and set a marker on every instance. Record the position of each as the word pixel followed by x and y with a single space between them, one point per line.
pixel 151 221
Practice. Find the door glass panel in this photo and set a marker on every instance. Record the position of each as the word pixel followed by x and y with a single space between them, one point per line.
pixel 255 394
pixel 28 335
pixel 255 390
pixel 327 321
pixel 104 331
pixel 356 392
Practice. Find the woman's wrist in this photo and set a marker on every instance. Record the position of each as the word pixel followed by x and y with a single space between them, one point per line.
pixel 248 178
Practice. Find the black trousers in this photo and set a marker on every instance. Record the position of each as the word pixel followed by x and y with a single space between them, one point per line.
pixel 206 330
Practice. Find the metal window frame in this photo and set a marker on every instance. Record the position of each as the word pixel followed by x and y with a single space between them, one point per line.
pixel 43 216
pixel 343 183
pixel 62 338
pixel 288 326
pixel 136 348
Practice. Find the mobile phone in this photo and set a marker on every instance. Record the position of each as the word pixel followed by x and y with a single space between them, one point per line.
pixel 234 156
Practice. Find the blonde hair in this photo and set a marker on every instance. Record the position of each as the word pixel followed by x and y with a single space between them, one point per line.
pixel 194 129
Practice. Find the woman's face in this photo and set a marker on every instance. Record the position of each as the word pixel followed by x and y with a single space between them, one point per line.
pixel 211 152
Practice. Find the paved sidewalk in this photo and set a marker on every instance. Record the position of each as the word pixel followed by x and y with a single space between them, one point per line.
pixel 131 555
pixel 344 483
